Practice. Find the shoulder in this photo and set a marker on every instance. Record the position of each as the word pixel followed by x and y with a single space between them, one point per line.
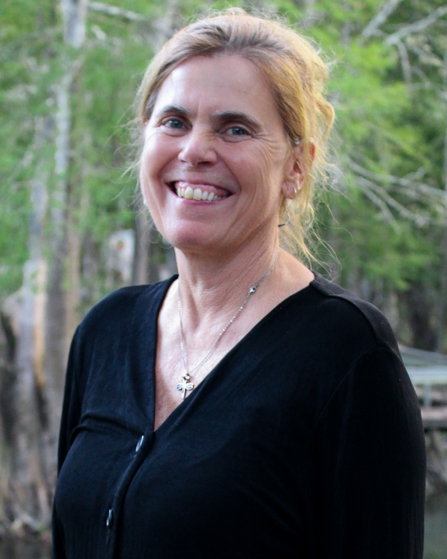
pixel 365 364
pixel 103 338
pixel 117 311
pixel 345 314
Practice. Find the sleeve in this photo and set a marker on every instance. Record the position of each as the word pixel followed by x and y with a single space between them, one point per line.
pixel 368 490
pixel 71 412
pixel 71 408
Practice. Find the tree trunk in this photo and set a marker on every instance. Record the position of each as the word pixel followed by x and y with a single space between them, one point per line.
pixel 30 476
pixel 7 414
pixel 62 296
pixel 423 335
pixel 46 315
pixel 55 315
pixel 74 15
pixel 310 15
pixel 442 305
pixel 30 499
pixel 140 267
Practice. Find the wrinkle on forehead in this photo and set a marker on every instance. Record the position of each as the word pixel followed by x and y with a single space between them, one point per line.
pixel 191 85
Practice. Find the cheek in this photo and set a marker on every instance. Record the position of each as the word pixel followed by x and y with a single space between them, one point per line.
pixel 160 153
pixel 153 160
pixel 269 173
pixel 150 188
pixel 144 176
pixel 149 158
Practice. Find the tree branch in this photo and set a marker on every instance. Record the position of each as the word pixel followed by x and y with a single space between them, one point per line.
pixel 406 68
pixel 380 18
pixel 127 15
pixel 364 185
pixel 386 200
pixel 407 183
pixel 417 26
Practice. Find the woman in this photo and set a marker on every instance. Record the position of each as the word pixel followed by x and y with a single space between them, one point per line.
pixel 248 408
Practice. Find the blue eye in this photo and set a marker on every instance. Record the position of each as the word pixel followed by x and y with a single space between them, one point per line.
pixel 237 131
pixel 173 123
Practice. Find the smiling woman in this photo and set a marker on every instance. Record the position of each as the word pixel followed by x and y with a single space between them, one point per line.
pixel 248 402
pixel 216 162
pixel 295 77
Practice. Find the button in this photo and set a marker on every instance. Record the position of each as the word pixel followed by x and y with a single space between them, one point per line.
pixel 140 442
pixel 109 518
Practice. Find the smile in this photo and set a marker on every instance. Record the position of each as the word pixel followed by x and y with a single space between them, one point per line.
pixel 196 192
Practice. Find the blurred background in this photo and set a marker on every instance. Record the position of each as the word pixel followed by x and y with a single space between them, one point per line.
pixel 72 227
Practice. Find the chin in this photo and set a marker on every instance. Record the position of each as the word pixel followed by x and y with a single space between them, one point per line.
pixel 190 240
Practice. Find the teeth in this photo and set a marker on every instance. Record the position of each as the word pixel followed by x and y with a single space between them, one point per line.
pixel 197 194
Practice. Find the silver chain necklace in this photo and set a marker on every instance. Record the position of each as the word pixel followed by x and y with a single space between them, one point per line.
pixel 185 385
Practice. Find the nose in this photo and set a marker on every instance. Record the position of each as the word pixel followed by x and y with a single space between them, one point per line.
pixel 198 149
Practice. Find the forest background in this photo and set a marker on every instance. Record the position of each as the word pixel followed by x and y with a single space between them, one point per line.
pixel 72 225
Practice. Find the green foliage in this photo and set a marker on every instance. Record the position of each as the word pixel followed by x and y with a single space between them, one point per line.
pixel 383 220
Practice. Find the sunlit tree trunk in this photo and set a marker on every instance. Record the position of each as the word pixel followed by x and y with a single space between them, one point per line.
pixel 63 274
pixel 29 477
pixel 49 301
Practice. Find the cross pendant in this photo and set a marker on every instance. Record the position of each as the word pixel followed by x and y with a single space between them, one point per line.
pixel 184 386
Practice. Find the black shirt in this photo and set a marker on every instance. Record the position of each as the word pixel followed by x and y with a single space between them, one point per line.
pixel 304 442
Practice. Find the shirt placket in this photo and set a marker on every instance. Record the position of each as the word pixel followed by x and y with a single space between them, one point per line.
pixel 112 514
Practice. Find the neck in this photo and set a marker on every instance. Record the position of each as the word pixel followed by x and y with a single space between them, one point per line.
pixel 209 286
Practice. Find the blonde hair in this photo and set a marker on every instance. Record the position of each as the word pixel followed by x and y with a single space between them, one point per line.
pixel 296 75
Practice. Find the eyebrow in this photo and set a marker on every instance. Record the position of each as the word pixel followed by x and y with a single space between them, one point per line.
pixel 173 109
pixel 233 116
pixel 221 116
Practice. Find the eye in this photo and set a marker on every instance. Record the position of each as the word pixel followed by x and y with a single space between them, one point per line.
pixel 237 131
pixel 174 123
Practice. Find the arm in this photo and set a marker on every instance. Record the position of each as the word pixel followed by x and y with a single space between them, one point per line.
pixel 370 480
pixel 71 408
pixel 71 411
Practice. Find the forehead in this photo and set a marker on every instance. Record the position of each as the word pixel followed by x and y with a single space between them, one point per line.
pixel 219 83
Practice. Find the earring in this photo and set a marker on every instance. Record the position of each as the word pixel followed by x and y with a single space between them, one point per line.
pixel 288 215
pixel 287 209
pixel 145 202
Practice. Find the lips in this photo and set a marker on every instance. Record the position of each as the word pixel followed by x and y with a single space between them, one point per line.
pixel 198 192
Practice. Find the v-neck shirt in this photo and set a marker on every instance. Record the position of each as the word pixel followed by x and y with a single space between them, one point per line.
pixel 305 441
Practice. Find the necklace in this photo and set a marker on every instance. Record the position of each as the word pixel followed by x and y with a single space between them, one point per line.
pixel 185 385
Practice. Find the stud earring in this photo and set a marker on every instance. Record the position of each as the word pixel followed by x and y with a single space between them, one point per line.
pixel 145 202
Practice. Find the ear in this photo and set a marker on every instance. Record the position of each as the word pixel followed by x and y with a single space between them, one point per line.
pixel 297 171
